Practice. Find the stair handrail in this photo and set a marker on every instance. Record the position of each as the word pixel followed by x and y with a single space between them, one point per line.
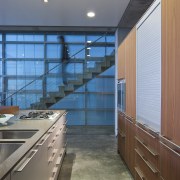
pixel 58 65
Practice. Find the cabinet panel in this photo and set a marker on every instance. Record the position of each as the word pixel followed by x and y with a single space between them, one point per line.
pixel 170 70
pixel 130 73
pixel 170 163
pixel 129 146
pixel 121 145
pixel 121 61
pixel 121 123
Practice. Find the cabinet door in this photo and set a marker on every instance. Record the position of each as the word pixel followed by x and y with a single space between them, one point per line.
pixel 121 61
pixel 171 70
pixel 130 73
pixel 129 146
pixel 34 165
pixel 8 177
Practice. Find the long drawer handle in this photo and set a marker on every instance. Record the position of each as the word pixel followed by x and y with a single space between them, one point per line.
pixel 139 173
pixel 27 160
pixel 147 163
pixel 59 132
pixel 129 119
pixel 145 146
pixel 146 132
pixel 170 149
pixel 43 140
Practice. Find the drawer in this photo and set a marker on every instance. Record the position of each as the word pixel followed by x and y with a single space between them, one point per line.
pixel 139 174
pixel 150 155
pixel 147 170
pixel 121 145
pixel 149 139
pixel 170 162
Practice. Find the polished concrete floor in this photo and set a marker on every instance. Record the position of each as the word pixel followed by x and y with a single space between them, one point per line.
pixel 92 155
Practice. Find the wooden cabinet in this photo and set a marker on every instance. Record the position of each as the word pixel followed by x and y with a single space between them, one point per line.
pixel 171 70
pixel 130 73
pixel 129 145
pixel 44 160
pixel 121 61
pixel 8 177
pixel 121 134
pixel 147 161
pixel 170 162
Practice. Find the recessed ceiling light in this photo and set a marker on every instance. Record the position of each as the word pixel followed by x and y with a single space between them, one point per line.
pixel 90 14
pixel 45 1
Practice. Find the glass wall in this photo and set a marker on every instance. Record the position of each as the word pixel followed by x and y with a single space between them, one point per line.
pixel 24 57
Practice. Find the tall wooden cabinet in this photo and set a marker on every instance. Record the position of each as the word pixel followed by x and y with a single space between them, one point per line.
pixel 130 73
pixel 171 70
pixel 121 61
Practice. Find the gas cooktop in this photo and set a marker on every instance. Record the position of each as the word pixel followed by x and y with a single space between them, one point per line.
pixel 36 115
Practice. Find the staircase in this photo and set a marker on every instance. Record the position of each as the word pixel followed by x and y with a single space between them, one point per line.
pixel 74 83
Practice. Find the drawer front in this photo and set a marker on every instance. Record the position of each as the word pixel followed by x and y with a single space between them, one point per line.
pixel 149 154
pixel 121 145
pixel 170 163
pixel 139 174
pixel 149 172
pixel 148 139
pixel 121 122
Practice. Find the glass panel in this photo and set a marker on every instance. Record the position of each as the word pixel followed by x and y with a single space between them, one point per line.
pixel 0 67
pixel 101 85
pixel 109 72
pixel 36 85
pixel 54 51
pixel 12 84
pixel 0 37
pixel 95 37
pixel 10 51
pixel 21 68
pixel 0 86
pixel 0 50
pixel 53 84
pixel 75 38
pixel 110 38
pixel 100 117
pixel 110 51
pixel 11 68
pixel 97 51
pixel 76 117
pixel 55 68
pixel 76 51
pixel 100 101
pixel 53 38
pixel 29 51
pixel 11 37
pixel 37 67
pixel 39 51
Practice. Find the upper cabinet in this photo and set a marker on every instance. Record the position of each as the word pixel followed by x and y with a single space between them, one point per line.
pixel 130 73
pixel 171 70
pixel 121 61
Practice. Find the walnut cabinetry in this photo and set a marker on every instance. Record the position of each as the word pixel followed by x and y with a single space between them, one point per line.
pixel 147 156
pixel 171 70
pixel 130 73
pixel 121 61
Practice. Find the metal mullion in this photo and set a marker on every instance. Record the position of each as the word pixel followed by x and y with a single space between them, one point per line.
pixel 4 81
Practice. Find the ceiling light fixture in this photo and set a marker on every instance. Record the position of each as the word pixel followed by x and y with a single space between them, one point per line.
pixel 45 1
pixel 90 14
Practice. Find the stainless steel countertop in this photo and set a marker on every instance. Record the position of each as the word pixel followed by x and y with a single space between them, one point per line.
pixel 41 125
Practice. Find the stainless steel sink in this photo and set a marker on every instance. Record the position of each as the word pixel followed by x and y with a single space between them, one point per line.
pixel 7 148
pixel 16 134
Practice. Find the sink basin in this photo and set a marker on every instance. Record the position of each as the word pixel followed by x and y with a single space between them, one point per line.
pixel 17 134
pixel 6 149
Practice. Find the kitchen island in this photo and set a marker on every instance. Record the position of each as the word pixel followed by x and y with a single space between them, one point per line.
pixel 39 145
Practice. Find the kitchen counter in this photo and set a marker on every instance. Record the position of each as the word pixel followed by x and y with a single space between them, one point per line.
pixel 41 125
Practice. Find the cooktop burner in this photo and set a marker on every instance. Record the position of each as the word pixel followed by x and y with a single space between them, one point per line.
pixel 38 115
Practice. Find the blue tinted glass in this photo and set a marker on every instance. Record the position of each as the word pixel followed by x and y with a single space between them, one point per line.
pixel 53 83
pixel 53 38
pixel 10 51
pixel 97 51
pixel 20 37
pixel 11 37
pixel 12 84
pixel 20 83
pixel 101 85
pixel 29 51
pixel 38 38
pixel 99 38
pixel 100 117
pixel 33 85
pixel 53 51
pixel 0 50
pixel 109 72
pixel 110 38
pixel 0 67
pixel 21 68
pixel 11 68
pixel 110 51
pixel 54 68
pixel 28 37
pixel 74 38
pixel 39 67
pixel 100 101
pixel 0 37
pixel 72 68
pixel 76 51
pixel 39 51
pixel 0 86
pixel 20 50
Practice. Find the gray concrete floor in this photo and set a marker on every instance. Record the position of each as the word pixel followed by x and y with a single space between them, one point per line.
pixel 92 155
